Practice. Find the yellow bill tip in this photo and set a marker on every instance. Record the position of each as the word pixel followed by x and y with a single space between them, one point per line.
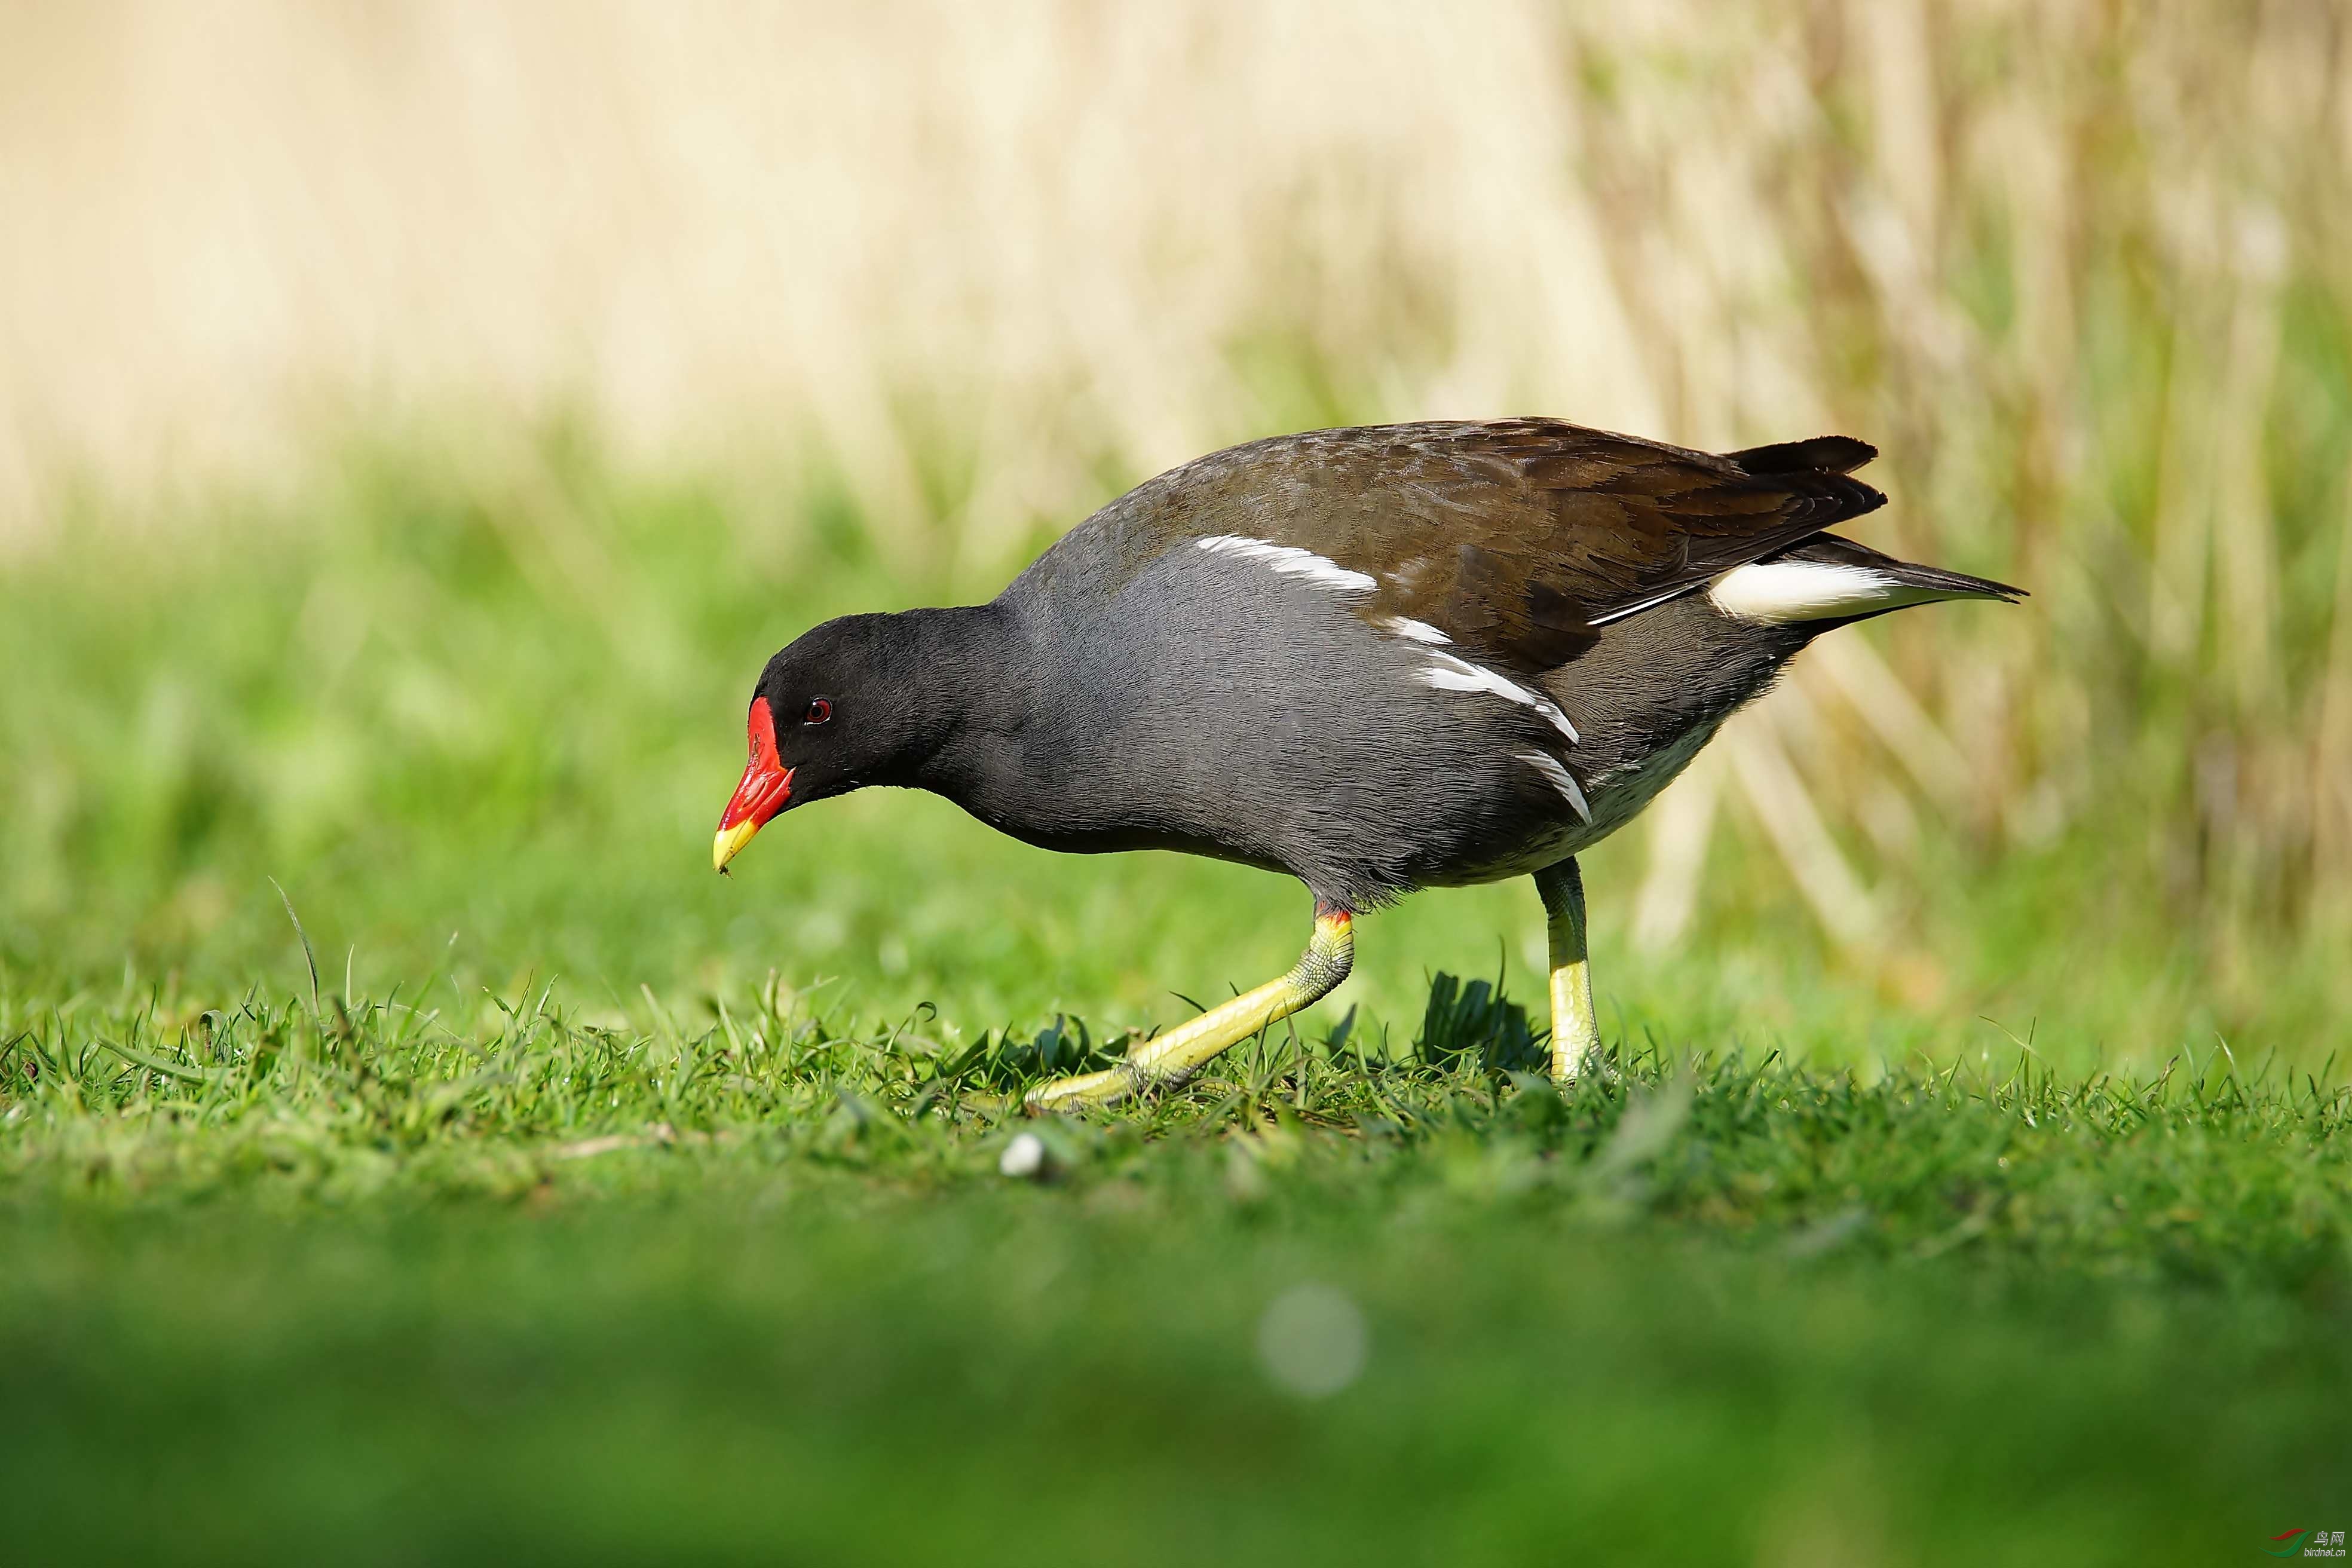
pixel 729 843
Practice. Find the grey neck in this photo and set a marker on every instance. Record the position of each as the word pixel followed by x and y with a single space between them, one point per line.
pixel 966 675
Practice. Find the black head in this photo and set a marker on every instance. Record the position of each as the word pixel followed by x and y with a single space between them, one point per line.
pixel 843 706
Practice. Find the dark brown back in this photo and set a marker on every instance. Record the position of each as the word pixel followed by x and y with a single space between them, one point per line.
pixel 1516 538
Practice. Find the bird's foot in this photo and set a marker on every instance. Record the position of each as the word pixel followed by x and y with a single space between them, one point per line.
pixel 1167 1060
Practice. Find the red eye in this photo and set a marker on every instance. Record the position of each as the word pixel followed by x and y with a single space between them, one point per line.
pixel 819 711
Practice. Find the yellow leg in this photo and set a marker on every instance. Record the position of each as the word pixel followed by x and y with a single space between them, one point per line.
pixel 1575 1032
pixel 1165 1060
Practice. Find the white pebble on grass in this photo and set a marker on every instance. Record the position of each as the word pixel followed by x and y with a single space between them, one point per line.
pixel 1024 1157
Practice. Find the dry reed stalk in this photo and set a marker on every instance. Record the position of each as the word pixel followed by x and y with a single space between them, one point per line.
pixel 2331 750
pixel 1785 810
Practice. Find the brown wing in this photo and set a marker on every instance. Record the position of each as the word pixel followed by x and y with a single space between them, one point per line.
pixel 1519 538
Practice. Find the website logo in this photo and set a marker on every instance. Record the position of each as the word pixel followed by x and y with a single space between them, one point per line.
pixel 2305 1543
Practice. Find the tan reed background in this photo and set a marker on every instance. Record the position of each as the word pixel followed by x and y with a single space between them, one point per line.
pixel 2080 268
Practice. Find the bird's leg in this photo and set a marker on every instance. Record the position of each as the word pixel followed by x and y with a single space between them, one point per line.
pixel 1575 1032
pixel 1165 1060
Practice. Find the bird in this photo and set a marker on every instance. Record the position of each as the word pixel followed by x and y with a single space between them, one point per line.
pixel 1377 659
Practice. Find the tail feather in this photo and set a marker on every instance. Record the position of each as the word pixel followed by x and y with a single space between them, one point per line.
pixel 1826 579
pixel 1944 585
pixel 1820 455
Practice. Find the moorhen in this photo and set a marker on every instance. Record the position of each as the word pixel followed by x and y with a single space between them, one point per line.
pixel 1377 659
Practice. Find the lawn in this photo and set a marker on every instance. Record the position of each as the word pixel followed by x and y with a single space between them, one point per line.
pixel 409 1151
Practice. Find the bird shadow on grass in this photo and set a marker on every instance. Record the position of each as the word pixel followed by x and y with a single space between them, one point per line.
pixel 1002 1062
pixel 1473 1023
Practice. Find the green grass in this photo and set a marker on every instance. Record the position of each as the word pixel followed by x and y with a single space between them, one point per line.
pixel 355 1284
pixel 657 1216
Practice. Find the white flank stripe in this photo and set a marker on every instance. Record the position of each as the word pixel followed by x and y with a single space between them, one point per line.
pixel 1289 560
pixel 1418 631
pixel 1560 780
pixel 1777 593
pixel 1452 674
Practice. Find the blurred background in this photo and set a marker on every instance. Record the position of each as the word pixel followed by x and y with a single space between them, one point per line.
pixel 419 423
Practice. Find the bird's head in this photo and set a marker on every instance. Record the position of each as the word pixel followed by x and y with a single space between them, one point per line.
pixel 836 710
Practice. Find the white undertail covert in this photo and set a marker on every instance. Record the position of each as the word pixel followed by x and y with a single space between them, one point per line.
pixel 1781 593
